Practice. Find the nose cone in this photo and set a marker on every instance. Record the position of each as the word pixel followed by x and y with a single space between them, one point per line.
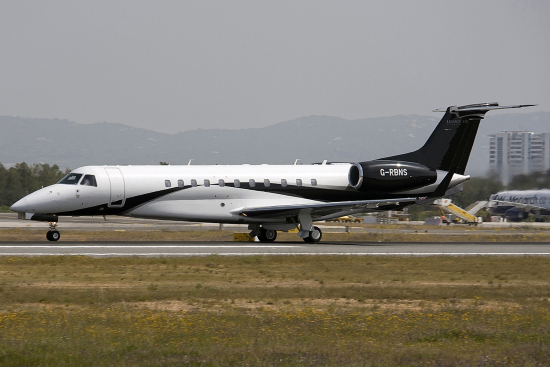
pixel 36 202
pixel 23 205
pixel 19 206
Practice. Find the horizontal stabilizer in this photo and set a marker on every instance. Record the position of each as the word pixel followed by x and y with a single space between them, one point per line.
pixel 482 107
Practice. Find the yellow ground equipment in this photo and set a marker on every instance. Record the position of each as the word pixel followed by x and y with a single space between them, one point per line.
pixel 242 237
pixel 467 216
pixel 346 219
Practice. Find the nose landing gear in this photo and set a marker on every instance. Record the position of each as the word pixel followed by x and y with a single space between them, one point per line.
pixel 53 234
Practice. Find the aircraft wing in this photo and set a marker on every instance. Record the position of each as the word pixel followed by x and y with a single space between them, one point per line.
pixel 321 209
pixel 526 207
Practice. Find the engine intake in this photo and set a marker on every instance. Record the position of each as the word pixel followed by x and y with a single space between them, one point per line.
pixel 388 175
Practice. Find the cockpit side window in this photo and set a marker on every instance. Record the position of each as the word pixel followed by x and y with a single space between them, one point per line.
pixel 71 179
pixel 89 180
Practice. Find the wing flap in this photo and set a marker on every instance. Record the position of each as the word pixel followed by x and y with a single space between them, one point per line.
pixel 319 209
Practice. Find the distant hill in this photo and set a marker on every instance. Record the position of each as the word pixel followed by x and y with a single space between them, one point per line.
pixel 311 139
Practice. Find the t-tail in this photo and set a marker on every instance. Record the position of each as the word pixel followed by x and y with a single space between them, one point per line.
pixel 449 146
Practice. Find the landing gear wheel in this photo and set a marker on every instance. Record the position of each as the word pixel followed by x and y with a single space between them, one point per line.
pixel 267 235
pixel 53 235
pixel 314 236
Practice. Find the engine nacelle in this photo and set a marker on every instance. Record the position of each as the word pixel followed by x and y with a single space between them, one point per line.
pixel 390 175
pixel 515 215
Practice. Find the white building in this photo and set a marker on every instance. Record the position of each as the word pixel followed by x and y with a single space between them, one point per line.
pixel 518 152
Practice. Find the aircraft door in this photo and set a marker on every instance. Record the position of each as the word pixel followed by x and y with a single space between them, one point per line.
pixel 116 179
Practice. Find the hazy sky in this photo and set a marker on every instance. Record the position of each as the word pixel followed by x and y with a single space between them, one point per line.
pixel 173 66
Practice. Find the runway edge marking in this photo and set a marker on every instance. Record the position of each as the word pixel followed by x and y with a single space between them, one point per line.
pixel 171 254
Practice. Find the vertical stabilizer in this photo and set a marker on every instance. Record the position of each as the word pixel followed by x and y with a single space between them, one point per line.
pixel 449 146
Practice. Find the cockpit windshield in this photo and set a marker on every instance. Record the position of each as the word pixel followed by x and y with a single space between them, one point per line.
pixel 89 180
pixel 71 179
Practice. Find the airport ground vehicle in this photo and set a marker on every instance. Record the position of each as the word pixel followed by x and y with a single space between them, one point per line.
pixel 346 219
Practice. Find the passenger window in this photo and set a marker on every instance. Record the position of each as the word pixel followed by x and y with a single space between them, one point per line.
pixel 194 183
pixel 266 183
pixel 313 182
pixel 298 182
pixel 180 183
pixel 252 183
pixel 237 183
pixel 167 183
pixel 206 183
pixel 89 180
pixel 70 179
pixel 283 182
pixel 221 183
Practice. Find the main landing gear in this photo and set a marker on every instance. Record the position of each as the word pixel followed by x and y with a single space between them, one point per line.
pixel 307 231
pixel 314 236
pixel 303 223
pixel 53 234
pixel 267 235
pixel 270 235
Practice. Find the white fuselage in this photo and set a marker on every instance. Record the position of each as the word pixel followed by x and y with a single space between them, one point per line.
pixel 191 193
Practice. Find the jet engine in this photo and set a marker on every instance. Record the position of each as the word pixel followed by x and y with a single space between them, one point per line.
pixel 515 215
pixel 386 175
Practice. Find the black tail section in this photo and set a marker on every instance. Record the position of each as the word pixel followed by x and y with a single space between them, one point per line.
pixel 451 142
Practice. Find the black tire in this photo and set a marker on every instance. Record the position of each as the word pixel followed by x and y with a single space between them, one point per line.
pixel 267 235
pixel 314 236
pixel 53 235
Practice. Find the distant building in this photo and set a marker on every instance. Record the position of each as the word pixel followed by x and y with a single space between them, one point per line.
pixel 518 152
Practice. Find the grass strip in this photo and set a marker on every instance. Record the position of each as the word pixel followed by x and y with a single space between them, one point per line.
pixel 275 311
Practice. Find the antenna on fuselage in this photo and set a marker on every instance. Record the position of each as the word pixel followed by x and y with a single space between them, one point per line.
pixel 296 161
pixel 190 162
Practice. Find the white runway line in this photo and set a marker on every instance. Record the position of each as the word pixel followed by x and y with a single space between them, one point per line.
pixel 183 254
pixel 147 247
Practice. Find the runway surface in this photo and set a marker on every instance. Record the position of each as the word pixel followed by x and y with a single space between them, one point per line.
pixel 10 221
pixel 167 249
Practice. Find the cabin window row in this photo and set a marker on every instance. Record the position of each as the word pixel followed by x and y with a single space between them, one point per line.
pixel 168 183
pixel 237 183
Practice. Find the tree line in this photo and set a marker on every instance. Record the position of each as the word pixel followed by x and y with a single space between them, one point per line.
pixel 22 179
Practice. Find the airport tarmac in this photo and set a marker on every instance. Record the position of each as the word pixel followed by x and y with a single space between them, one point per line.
pixel 10 221
pixel 169 249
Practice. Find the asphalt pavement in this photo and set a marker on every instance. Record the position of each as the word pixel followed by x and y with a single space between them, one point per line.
pixel 168 249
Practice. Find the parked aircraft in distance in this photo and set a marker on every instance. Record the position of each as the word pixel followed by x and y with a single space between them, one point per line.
pixel 269 198
pixel 516 205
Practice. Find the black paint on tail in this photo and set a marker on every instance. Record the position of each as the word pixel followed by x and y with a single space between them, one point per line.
pixel 449 146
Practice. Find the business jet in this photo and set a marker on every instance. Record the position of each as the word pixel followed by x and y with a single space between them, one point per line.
pixel 269 198
pixel 516 205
